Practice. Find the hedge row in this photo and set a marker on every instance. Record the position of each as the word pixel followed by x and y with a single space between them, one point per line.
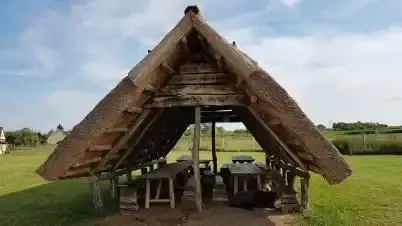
pixel 373 147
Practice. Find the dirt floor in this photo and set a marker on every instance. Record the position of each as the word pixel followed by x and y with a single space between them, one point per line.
pixel 214 214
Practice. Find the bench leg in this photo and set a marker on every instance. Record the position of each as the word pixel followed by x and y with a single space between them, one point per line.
pixel 236 184
pixel 259 187
pixel 147 193
pixel 245 184
pixel 171 193
pixel 158 189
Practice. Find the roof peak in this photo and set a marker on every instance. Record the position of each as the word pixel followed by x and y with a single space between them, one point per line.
pixel 192 8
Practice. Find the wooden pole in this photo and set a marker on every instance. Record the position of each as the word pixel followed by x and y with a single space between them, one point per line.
pixel 214 158
pixel 195 153
pixel 305 184
pixel 113 187
pixel 96 194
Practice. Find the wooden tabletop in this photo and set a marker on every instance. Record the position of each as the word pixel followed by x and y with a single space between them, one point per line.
pixel 245 169
pixel 247 158
pixel 189 158
pixel 167 171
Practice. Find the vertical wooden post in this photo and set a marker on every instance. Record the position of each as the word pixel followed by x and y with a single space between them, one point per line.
pixel 129 177
pixel 96 194
pixel 195 153
pixel 291 179
pixel 113 187
pixel 305 186
pixel 214 158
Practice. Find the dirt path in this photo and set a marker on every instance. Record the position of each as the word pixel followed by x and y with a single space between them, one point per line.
pixel 186 215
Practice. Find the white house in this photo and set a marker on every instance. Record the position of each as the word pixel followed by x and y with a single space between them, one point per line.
pixel 3 143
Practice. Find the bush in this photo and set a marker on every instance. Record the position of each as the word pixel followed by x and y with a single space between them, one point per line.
pixel 355 146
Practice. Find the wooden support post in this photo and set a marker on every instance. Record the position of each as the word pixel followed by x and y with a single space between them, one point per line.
pixel 96 194
pixel 305 186
pixel 214 158
pixel 291 179
pixel 147 193
pixel 129 176
pixel 114 192
pixel 195 153
pixel 171 193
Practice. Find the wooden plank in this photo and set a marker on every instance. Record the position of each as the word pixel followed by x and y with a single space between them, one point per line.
pixel 288 167
pixel 202 79
pixel 77 171
pixel 198 68
pixel 121 160
pixel 135 110
pixel 305 156
pixel 197 100
pixel 282 144
pixel 196 157
pixel 87 161
pixel 101 148
pixel 198 90
pixel 123 140
pixel 117 130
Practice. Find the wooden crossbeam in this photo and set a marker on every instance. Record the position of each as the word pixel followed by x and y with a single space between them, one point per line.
pixel 198 90
pixel 135 110
pixel 305 156
pixel 77 171
pixel 138 139
pixel 87 161
pixel 281 143
pixel 100 148
pixel 199 79
pixel 117 130
pixel 197 100
pixel 123 140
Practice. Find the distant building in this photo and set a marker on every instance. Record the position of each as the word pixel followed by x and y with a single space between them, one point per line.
pixel 3 142
pixel 56 136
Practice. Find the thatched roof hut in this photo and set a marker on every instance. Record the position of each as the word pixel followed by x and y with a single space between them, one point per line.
pixel 144 116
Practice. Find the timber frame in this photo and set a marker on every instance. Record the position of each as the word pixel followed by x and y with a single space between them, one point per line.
pixel 193 67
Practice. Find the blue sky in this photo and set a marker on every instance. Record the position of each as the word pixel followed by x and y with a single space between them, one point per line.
pixel 339 59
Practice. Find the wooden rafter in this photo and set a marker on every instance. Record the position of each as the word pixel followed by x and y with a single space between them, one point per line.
pixel 185 45
pixel 282 144
pixel 123 140
pixel 137 139
pixel 165 66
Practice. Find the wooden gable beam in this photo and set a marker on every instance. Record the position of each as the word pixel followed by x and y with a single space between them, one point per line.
pixel 135 110
pixel 200 100
pixel 165 66
pixel 122 141
pixel 281 143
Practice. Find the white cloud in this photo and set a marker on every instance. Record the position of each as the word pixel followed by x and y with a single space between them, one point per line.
pixel 340 76
pixel 290 3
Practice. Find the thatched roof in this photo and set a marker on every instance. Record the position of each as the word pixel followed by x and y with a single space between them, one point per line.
pixel 143 117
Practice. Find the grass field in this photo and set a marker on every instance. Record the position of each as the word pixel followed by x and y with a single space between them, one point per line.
pixel 370 197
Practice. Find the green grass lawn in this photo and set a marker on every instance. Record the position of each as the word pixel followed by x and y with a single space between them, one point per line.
pixel 372 196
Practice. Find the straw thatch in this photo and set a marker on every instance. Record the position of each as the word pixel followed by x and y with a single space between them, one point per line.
pixel 145 115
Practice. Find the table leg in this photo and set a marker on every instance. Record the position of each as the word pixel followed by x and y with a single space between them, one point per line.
pixel 171 193
pixel 244 184
pixel 236 184
pixel 158 189
pixel 259 186
pixel 147 193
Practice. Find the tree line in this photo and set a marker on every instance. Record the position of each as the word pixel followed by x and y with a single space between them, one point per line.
pixel 343 126
pixel 29 137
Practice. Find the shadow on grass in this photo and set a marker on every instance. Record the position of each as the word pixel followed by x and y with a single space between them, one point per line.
pixel 59 203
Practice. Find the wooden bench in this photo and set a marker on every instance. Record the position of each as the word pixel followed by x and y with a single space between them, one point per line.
pixel 167 172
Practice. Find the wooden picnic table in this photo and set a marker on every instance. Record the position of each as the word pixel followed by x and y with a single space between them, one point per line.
pixel 166 172
pixel 189 158
pixel 242 159
pixel 245 171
